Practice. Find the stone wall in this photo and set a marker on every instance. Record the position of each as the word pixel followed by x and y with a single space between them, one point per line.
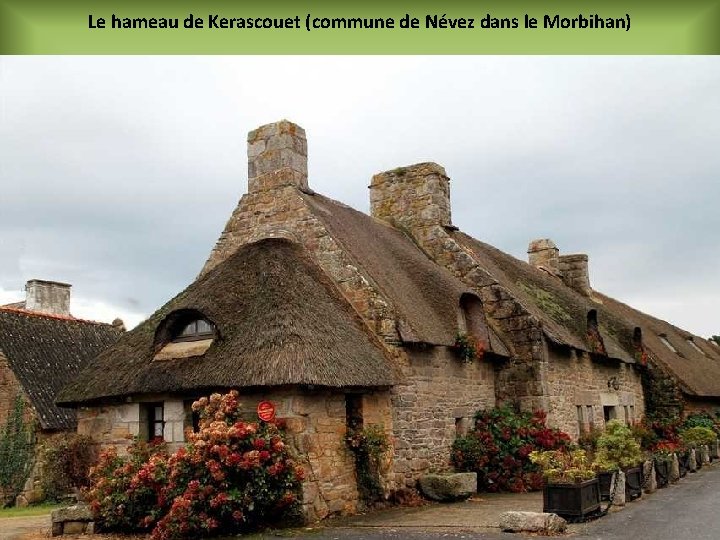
pixel 573 380
pixel 438 396
pixel 699 405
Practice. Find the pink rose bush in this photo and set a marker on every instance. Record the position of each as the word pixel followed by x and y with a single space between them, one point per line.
pixel 232 476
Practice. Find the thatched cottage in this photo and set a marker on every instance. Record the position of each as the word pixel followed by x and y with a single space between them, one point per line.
pixel 342 318
pixel 42 348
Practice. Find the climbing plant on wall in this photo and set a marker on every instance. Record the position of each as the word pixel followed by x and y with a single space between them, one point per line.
pixel 16 452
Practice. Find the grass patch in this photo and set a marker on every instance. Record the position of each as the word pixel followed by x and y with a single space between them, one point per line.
pixel 29 511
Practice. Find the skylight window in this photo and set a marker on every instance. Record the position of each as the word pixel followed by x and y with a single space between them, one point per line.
pixel 694 346
pixel 667 343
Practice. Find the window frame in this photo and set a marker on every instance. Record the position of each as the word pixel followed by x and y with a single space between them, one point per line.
pixel 151 409
pixel 197 335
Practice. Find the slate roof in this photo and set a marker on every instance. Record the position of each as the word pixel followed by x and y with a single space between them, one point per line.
pixel 45 352
pixel 279 321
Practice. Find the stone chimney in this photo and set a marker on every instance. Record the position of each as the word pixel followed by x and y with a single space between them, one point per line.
pixel 51 297
pixel 414 197
pixel 574 272
pixel 277 156
pixel 544 254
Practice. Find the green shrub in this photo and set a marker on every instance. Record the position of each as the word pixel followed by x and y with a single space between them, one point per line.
pixel 617 448
pixel 563 466
pixel 701 419
pixel 697 436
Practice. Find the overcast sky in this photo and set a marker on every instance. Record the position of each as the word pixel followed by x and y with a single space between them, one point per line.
pixel 117 174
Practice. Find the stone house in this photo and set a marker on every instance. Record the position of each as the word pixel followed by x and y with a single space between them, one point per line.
pixel 42 348
pixel 341 318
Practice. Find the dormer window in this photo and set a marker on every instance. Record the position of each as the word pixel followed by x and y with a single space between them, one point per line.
pixel 183 334
pixel 195 331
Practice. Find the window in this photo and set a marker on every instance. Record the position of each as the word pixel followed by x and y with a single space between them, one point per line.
pixel 609 412
pixel 590 416
pixel 628 420
pixel 581 421
pixel 154 416
pixel 694 346
pixel 196 330
pixel 665 342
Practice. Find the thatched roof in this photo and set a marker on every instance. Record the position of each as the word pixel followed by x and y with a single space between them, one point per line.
pixel 279 320
pixel 697 371
pixel 46 352
pixel 561 310
pixel 422 293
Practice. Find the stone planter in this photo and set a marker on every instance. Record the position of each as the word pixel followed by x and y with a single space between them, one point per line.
pixel 605 484
pixel 633 483
pixel 662 472
pixel 684 463
pixel 572 500
pixel 715 450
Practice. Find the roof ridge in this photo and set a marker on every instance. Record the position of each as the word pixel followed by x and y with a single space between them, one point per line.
pixel 67 318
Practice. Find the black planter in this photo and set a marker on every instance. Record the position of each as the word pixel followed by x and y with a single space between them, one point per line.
pixel 684 463
pixel 633 483
pixel 605 483
pixel 572 500
pixel 662 472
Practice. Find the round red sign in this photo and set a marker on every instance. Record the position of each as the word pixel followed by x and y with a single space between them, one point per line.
pixel 266 411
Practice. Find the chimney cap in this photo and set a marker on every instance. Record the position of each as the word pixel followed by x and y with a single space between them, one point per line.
pixel 541 244
pixel 48 282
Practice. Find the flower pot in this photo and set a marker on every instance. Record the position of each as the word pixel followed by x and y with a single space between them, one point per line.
pixel 662 472
pixel 605 484
pixel 633 483
pixel 572 500
pixel 684 463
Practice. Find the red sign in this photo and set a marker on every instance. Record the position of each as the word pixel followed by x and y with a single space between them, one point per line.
pixel 266 411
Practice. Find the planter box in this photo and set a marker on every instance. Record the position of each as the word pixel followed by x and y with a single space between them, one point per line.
pixel 684 463
pixel 572 500
pixel 662 472
pixel 605 485
pixel 633 483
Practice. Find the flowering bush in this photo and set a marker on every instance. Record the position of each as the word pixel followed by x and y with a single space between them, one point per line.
pixel 232 475
pixel 499 448
pixel 468 348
